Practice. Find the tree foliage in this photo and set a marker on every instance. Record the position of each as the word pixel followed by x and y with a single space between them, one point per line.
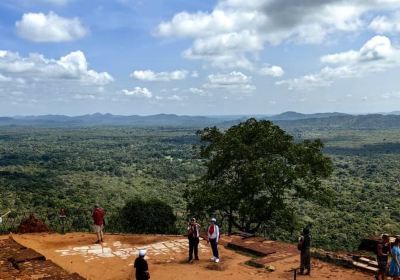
pixel 45 169
pixel 147 216
pixel 253 170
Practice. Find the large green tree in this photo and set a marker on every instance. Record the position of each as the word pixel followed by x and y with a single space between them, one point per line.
pixel 254 169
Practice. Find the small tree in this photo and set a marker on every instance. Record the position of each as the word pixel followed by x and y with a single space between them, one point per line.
pixel 253 170
pixel 147 216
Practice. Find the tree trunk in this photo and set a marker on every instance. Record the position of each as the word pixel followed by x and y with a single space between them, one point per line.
pixel 247 227
pixel 230 223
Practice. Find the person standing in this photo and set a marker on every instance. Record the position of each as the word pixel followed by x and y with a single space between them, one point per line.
pixel 394 269
pixel 382 252
pixel 213 238
pixel 193 236
pixel 98 222
pixel 141 266
pixel 305 254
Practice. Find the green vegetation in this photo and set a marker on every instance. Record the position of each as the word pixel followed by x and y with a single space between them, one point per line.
pixel 254 169
pixel 147 216
pixel 75 168
pixel 44 169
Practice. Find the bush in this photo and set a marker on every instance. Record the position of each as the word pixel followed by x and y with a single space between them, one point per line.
pixel 147 216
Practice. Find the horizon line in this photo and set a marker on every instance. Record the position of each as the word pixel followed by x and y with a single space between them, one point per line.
pixel 200 115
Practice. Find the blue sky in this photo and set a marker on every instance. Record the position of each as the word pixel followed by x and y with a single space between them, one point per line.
pixel 198 57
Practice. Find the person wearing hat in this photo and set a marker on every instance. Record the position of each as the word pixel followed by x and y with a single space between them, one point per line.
pixel 141 266
pixel 193 236
pixel 98 220
pixel 305 254
pixel 382 256
pixel 213 238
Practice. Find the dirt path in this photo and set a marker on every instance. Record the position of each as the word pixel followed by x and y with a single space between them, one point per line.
pixel 167 255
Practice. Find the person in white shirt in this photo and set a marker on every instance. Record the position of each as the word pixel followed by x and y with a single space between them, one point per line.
pixel 213 238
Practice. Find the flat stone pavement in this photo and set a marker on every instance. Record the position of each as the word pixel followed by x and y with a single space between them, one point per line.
pixel 164 251
pixel 20 263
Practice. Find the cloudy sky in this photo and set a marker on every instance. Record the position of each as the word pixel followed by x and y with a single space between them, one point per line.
pixel 208 57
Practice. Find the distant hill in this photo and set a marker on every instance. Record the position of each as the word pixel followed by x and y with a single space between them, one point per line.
pixel 373 121
pixel 160 120
pixel 289 116
pixel 288 120
pixel 5 119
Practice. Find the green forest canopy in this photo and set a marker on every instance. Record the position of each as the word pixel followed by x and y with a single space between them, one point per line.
pixel 50 168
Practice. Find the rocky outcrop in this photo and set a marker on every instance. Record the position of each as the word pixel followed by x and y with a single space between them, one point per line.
pixel 32 225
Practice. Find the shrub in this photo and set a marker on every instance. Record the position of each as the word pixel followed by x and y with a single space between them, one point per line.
pixel 147 216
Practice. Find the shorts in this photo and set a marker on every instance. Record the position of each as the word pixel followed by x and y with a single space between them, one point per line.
pixel 97 228
pixel 382 266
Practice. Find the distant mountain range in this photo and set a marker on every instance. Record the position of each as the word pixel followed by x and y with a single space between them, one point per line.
pixel 290 120
pixel 98 119
pixel 290 116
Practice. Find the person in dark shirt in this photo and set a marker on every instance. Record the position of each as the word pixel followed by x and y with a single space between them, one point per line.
pixel 382 256
pixel 142 269
pixel 193 236
pixel 305 254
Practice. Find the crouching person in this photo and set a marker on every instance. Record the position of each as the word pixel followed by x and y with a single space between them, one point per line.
pixel 141 266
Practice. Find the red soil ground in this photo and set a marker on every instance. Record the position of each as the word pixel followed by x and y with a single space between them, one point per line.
pixel 76 252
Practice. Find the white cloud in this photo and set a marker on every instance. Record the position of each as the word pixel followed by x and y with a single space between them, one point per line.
pixel 4 78
pixel 385 24
pixel 226 50
pixel 148 75
pixel 391 95
pixel 36 67
pixel 138 92
pixel 56 2
pixel 323 78
pixel 175 98
pixel 39 27
pixel 232 78
pixel 273 71
pixel 75 65
pixel 84 97
pixel 340 57
pixel 377 48
pixel 234 31
pixel 377 54
pixel 219 21
pixel 198 91
pixel 234 81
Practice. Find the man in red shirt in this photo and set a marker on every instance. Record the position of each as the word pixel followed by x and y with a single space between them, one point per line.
pixel 98 220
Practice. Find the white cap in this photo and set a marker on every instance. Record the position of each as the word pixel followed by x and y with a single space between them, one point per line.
pixel 142 253
pixel 213 220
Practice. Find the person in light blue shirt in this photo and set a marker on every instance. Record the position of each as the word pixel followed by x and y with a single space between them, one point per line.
pixel 394 269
